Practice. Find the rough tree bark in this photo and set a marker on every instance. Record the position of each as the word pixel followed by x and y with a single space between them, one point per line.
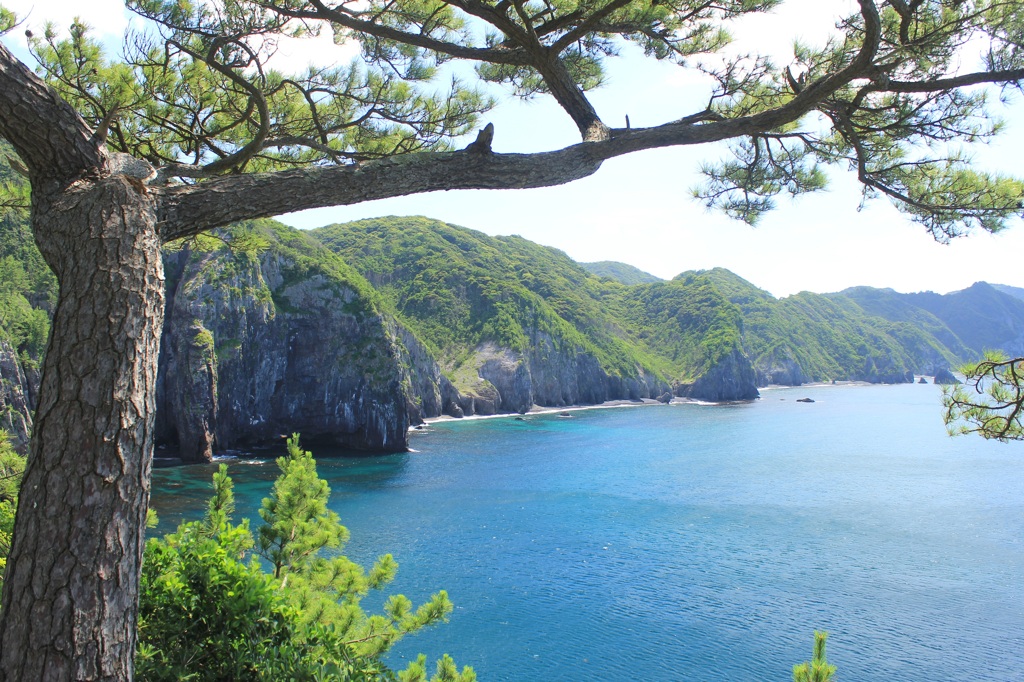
pixel 69 611
pixel 71 590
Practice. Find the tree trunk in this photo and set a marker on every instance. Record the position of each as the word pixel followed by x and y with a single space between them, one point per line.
pixel 71 593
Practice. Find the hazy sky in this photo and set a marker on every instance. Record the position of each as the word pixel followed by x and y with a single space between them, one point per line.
pixel 637 209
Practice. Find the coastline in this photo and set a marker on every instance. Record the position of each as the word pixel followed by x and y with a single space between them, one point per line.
pixel 608 404
pixel 538 409
pixel 642 402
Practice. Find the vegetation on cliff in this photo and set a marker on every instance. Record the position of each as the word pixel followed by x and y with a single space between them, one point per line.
pixel 686 322
pixel 28 289
pixel 458 289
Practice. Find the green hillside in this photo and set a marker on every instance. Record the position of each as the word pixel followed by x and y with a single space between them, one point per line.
pixel 459 289
pixel 814 337
pixel 623 273
pixel 687 323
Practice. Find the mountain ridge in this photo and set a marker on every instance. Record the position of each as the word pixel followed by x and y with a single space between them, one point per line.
pixel 351 333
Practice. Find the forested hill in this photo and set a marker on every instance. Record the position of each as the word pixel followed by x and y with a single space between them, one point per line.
pixel 620 272
pixel 683 328
pixel 352 332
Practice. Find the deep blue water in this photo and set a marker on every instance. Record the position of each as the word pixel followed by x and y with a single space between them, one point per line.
pixel 691 542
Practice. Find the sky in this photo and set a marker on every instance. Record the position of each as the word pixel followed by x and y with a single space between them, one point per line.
pixel 638 209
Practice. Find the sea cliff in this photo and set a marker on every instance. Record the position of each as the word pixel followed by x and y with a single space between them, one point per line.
pixel 352 333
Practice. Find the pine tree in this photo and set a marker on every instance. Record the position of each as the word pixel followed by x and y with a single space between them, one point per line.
pixel 208 613
pixel 194 130
pixel 818 669
pixel 297 523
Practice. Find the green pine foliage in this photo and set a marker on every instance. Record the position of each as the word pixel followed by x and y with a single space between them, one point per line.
pixel 991 401
pixel 208 610
pixel 818 669
pixel 446 671
pixel 296 521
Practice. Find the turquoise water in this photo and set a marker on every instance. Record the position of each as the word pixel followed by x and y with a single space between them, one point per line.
pixel 691 542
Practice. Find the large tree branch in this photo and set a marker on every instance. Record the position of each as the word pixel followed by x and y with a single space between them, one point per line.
pixel 188 210
pixel 939 84
pixel 50 137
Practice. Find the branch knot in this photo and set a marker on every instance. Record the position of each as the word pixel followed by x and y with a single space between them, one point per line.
pixel 482 144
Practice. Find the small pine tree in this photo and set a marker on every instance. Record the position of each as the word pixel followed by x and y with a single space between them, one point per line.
pixel 297 522
pixel 447 671
pixel 818 670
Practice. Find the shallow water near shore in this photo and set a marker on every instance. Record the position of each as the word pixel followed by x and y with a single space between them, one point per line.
pixel 689 542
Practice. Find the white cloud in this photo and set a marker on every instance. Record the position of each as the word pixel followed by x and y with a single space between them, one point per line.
pixel 293 55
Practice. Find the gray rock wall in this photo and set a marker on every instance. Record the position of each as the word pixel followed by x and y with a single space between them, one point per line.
pixel 547 376
pixel 731 378
pixel 17 396
pixel 253 352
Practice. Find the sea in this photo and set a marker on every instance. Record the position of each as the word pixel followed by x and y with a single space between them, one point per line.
pixel 688 541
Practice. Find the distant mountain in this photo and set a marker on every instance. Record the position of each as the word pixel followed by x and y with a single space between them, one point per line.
pixel 1016 292
pixel 620 272
pixel 815 337
pixel 981 316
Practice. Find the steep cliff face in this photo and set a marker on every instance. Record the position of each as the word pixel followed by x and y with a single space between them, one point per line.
pixel 513 323
pixel 780 367
pixel 258 345
pixel 17 396
pixel 429 393
pixel 576 377
pixel 732 377
pixel 495 380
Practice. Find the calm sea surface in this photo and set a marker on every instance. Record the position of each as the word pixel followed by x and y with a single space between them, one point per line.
pixel 690 542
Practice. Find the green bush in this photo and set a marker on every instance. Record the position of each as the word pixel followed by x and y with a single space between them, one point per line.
pixel 208 611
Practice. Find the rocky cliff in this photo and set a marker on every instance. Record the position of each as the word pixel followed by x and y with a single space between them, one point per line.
pixel 495 379
pixel 282 339
pixel 350 334
pixel 18 384
pixel 512 323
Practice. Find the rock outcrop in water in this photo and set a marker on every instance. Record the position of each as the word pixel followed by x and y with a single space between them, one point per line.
pixel 731 378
